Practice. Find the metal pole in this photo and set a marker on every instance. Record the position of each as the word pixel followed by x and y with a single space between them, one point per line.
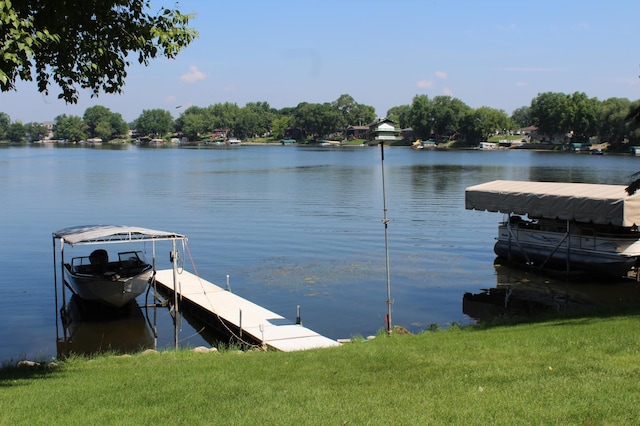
pixel 155 296
pixel 174 263
pixel 55 285
pixel 385 221
pixel 64 293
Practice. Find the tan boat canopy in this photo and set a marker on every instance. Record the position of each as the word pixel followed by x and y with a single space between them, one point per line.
pixel 580 202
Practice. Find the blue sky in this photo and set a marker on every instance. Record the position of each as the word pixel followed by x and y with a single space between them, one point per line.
pixel 492 53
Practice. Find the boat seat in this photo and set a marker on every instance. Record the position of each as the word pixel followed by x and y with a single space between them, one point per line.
pixel 99 260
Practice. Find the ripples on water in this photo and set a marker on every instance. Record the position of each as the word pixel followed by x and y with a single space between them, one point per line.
pixel 290 225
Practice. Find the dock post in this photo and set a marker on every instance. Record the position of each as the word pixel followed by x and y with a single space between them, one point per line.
pixel 228 288
pixel 240 323
pixel 298 321
pixel 174 263
pixel 264 345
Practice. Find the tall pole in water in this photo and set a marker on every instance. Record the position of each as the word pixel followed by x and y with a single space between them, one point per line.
pixel 389 325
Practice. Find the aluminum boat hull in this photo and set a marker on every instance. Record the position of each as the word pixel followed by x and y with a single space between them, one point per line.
pixel 115 292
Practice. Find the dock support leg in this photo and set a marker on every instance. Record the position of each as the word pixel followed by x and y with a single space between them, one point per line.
pixel 240 323
pixel 298 320
pixel 264 345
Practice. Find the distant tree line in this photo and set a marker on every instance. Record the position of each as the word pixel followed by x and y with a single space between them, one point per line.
pixel 558 117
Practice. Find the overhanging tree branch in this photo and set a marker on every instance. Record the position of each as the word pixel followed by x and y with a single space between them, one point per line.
pixel 84 43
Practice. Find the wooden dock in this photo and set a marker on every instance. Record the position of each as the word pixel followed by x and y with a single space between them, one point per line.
pixel 245 318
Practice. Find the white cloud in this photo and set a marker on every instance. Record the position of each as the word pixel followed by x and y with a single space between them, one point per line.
pixel 441 74
pixel 447 92
pixel 229 88
pixel 193 75
pixel 522 83
pixel 169 99
pixel 425 84
pixel 581 26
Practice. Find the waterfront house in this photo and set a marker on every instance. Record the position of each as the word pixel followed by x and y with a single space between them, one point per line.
pixel 357 132
pixel 383 130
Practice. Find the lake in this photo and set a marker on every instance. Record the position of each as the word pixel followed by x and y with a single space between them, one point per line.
pixel 289 225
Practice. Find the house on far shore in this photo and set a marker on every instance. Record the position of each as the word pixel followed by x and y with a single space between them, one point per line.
pixel 357 132
pixel 383 130
pixel 408 134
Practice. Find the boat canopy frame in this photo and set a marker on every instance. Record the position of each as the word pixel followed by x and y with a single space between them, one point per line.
pixel 579 202
pixel 106 234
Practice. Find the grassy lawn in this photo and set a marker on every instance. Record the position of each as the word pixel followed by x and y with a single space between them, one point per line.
pixel 563 371
pixel 498 138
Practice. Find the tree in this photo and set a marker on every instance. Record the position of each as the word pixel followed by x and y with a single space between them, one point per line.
pixel 279 126
pixel 69 127
pixel 95 117
pixel 193 122
pixel 154 122
pixel 362 115
pixel 318 120
pixel 421 116
pixel 223 116
pixel 480 123
pixel 118 125
pixel 254 119
pixel 612 124
pixel 522 116
pixel 400 114
pixel 549 112
pixel 633 120
pixel 84 44
pixel 448 115
pixel 36 131
pixel 352 113
pixel 344 105
pixel 247 124
pixel 582 116
pixel 5 121
pixel 16 132
pixel 104 124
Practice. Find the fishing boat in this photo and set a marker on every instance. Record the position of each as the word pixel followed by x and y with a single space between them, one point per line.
pixel 97 277
pixel 563 226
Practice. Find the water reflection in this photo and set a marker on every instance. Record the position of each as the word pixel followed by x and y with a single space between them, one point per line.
pixel 89 329
pixel 519 293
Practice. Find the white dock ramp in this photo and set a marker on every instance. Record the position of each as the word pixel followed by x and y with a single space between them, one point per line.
pixel 261 324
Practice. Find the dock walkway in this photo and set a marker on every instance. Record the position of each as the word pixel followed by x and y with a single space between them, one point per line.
pixel 260 324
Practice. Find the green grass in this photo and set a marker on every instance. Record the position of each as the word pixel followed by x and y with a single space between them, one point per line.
pixel 502 137
pixel 564 371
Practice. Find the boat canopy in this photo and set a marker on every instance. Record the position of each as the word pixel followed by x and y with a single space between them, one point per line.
pixel 580 202
pixel 102 234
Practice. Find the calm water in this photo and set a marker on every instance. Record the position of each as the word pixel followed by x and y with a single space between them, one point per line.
pixel 289 225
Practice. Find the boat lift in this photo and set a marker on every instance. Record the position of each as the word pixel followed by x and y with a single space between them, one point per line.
pixel 115 234
pixel 528 261
pixel 607 207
